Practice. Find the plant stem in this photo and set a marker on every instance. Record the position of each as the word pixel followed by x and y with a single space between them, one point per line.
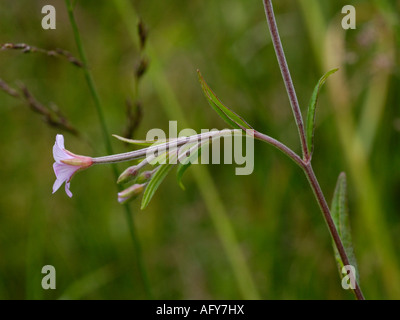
pixel 328 44
pixel 103 125
pixel 280 146
pixel 309 172
pixel 305 164
pixel 269 12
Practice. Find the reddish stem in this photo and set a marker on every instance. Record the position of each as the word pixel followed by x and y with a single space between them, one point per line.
pixel 304 163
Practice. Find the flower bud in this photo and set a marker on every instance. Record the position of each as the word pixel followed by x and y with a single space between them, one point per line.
pixel 144 176
pixel 128 174
pixel 130 193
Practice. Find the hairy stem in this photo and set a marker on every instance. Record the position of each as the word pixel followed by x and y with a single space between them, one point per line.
pixel 305 164
pixel 309 172
pixel 269 12
pixel 99 110
pixel 280 146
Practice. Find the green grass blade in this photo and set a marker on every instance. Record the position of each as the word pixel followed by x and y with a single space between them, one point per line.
pixel 340 215
pixel 312 108
pixel 104 129
pixel 224 112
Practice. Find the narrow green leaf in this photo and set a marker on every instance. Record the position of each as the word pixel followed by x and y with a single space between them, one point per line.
pixel 140 142
pixel 154 183
pixel 182 167
pixel 340 215
pixel 224 112
pixel 310 125
pixel 159 175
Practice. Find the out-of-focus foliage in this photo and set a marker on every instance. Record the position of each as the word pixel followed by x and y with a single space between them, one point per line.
pixel 278 224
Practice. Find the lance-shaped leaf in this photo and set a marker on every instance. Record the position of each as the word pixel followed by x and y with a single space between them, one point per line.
pixel 340 215
pixel 224 112
pixel 310 125
pixel 154 183
pixel 145 143
pixel 195 152
pixel 159 175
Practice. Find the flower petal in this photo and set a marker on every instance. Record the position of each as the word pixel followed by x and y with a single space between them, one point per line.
pixel 64 171
pixel 57 184
pixel 60 141
pixel 59 152
pixel 68 192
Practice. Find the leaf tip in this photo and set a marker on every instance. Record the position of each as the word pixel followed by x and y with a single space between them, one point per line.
pixel 143 205
pixel 201 80
pixel 181 185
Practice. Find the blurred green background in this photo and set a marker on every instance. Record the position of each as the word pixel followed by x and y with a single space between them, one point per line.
pixel 280 247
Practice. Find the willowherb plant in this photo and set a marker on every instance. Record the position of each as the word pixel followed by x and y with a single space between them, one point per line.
pixel 180 151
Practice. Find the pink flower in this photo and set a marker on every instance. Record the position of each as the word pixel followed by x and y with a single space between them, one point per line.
pixel 66 164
